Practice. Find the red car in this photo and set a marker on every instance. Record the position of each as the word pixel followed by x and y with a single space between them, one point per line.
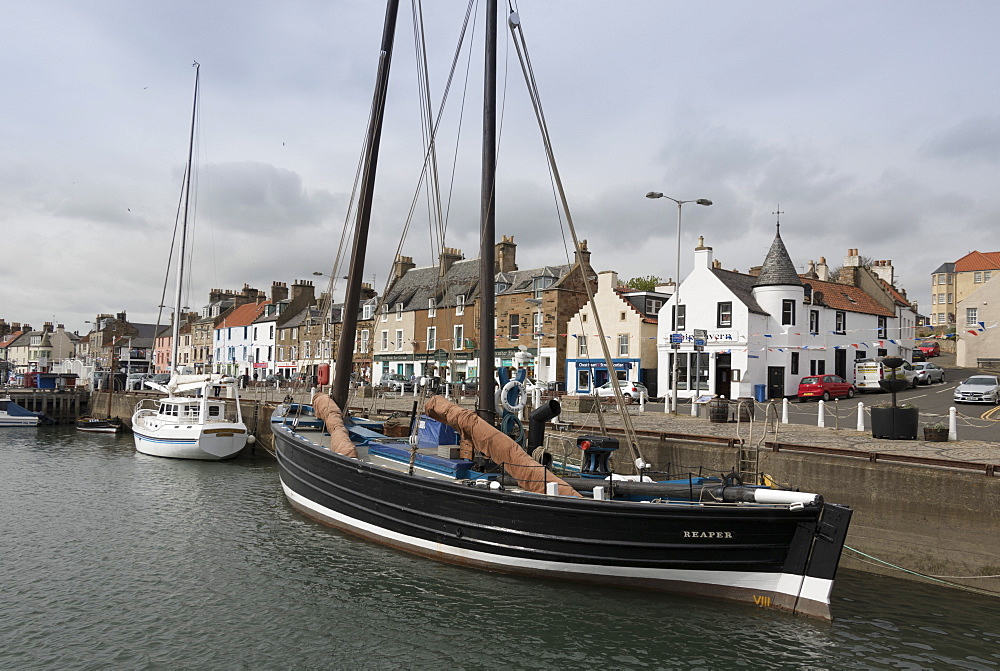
pixel 824 387
pixel 930 348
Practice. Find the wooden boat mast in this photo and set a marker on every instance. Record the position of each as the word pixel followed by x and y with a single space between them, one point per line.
pixel 487 233
pixel 345 347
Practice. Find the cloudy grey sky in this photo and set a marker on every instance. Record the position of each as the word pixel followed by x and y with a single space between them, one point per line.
pixel 874 125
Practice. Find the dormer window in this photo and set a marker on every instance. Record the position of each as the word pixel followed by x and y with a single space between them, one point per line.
pixel 460 304
pixel 367 310
pixel 501 287
pixel 399 312
pixel 385 313
pixel 431 308
pixel 540 284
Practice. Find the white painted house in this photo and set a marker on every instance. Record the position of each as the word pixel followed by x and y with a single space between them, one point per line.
pixel 773 327
pixel 628 318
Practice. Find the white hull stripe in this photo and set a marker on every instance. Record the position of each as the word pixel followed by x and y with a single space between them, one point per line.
pixel 814 589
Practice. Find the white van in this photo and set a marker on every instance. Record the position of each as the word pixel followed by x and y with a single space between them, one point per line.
pixel 868 373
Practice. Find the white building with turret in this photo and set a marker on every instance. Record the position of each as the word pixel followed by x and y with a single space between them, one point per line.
pixel 772 327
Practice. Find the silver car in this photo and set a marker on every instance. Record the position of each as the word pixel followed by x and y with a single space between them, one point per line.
pixel 979 389
pixel 928 373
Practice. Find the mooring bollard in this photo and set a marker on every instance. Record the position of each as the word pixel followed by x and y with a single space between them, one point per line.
pixel 822 414
pixel 784 411
pixel 861 416
pixel 952 423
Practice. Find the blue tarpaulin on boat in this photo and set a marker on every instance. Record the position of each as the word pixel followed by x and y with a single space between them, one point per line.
pixel 431 433
pixel 14 410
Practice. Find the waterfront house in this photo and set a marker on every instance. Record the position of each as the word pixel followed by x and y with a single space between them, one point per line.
pixel 978 328
pixel 766 329
pixel 232 340
pixel 629 320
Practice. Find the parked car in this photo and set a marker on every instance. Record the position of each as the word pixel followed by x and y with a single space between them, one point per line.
pixel 868 373
pixel 396 382
pixel 824 387
pixel 928 373
pixel 632 391
pixel 918 355
pixel 469 385
pixel 135 382
pixel 930 348
pixel 979 389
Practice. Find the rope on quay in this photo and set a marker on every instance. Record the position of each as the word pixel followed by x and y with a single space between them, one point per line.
pixel 933 578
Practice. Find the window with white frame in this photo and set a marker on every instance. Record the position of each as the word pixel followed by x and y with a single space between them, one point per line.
pixel 977 277
pixel 680 317
pixel 623 344
pixel 367 310
pixel 431 338
pixel 399 312
pixel 883 327
pixel 788 312
pixel 814 321
pixel 934 299
pixel 840 322
pixel 987 274
pixel 364 340
pixel 460 304
pixel 399 339
pixel 581 345
pixel 724 314
pixel 385 340
pixel 971 316
pixel 431 308
pixel 385 312
pixel 458 341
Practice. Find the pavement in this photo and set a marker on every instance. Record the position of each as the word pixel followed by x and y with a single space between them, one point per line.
pixel 842 437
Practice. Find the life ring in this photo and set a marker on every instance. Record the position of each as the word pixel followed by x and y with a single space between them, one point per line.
pixel 732 480
pixel 505 392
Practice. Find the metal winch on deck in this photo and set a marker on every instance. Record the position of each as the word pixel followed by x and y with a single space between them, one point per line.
pixel 596 453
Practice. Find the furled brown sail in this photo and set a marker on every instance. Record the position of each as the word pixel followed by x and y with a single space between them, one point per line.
pixel 530 475
pixel 327 410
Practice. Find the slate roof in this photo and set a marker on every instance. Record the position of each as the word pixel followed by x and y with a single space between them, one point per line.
pixel 418 285
pixel 524 280
pixel 778 268
pixel 945 268
pixel 976 260
pixel 741 285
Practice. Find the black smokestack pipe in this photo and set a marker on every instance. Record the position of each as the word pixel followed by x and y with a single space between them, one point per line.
pixel 536 422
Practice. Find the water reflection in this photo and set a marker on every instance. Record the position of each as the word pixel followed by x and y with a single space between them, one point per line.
pixel 115 559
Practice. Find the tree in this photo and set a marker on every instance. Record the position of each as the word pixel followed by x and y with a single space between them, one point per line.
pixel 647 283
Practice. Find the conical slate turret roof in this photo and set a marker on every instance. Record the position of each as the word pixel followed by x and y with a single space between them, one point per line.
pixel 778 268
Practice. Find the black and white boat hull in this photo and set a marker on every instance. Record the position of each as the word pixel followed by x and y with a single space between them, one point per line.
pixel 778 556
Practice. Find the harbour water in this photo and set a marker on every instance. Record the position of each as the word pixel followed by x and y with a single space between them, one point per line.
pixel 112 559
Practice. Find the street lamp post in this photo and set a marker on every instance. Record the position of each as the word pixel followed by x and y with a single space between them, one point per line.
pixel 537 302
pixel 677 291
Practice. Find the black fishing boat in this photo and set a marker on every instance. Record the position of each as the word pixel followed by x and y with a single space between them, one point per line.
pixel 506 512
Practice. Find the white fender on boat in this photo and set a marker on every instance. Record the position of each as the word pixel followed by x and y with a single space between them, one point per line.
pixel 781 496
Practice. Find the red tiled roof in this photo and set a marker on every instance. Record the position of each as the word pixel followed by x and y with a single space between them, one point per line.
pixel 244 315
pixel 11 338
pixel 847 297
pixel 976 260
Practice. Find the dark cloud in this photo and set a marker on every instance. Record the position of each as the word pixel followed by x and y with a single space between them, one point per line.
pixel 260 198
pixel 976 139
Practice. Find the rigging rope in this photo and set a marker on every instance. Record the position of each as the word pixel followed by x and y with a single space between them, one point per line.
pixel 521 47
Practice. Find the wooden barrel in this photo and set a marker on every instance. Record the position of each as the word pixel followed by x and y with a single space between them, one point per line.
pixel 718 410
pixel 745 408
